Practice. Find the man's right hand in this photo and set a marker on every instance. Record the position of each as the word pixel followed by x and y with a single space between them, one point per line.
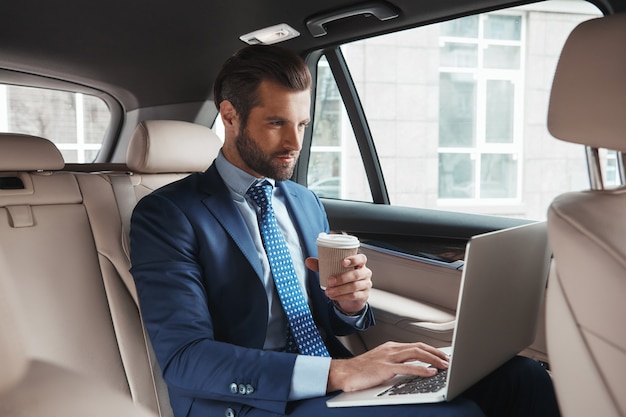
pixel 383 363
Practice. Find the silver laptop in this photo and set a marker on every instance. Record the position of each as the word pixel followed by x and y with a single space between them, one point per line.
pixel 502 288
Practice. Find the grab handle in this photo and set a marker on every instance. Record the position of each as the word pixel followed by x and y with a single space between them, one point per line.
pixel 383 11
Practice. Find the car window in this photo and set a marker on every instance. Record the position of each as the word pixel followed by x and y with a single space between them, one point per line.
pixel 75 122
pixel 457 111
pixel 335 165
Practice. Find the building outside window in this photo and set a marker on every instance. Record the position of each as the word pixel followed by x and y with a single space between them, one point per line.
pixel 458 115
pixel 480 107
pixel 76 123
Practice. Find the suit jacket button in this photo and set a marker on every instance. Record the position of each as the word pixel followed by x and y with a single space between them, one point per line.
pixel 233 388
pixel 242 389
pixel 229 412
pixel 249 389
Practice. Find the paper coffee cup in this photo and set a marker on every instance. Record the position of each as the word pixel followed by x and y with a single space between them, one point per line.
pixel 332 249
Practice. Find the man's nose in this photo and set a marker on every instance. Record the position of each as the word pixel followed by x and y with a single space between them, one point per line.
pixel 292 139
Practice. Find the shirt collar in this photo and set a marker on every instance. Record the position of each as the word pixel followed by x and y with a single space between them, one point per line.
pixel 236 179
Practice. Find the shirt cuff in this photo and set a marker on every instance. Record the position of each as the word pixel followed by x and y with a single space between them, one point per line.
pixel 310 377
pixel 359 321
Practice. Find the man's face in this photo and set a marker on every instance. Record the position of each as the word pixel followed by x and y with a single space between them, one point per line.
pixel 269 144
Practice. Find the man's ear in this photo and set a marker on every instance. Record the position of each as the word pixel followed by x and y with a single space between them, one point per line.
pixel 228 113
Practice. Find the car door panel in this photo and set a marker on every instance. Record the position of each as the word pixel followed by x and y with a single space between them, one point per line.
pixel 424 135
pixel 412 298
pixel 416 258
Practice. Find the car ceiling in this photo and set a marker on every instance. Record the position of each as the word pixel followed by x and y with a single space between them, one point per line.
pixel 157 52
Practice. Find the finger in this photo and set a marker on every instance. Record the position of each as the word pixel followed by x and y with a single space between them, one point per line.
pixel 423 353
pixel 436 361
pixel 312 264
pixel 358 298
pixel 341 286
pixel 433 355
pixel 352 275
pixel 436 352
pixel 354 261
pixel 408 369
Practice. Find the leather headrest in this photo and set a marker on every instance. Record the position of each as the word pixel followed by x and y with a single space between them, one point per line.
pixel 588 100
pixel 28 153
pixel 171 146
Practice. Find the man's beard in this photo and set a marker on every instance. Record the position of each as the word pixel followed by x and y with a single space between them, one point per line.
pixel 261 162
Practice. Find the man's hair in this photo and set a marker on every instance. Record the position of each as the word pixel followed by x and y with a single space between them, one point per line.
pixel 240 76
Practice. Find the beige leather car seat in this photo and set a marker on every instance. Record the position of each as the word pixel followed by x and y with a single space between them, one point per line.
pixel 586 304
pixel 63 240
pixel 37 388
pixel 66 349
pixel 160 152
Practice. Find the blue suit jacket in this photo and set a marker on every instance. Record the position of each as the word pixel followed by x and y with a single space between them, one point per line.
pixel 197 275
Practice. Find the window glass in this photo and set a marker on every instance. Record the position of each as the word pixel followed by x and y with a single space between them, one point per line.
pixel 503 27
pixel 499 111
pixel 612 173
pixel 75 122
pixel 502 57
pixel 335 165
pixel 456 175
pixel 455 54
pixel 465 27
pixel 498 175
pixel 458 112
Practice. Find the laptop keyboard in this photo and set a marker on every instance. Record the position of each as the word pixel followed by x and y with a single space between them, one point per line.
pixel 418 385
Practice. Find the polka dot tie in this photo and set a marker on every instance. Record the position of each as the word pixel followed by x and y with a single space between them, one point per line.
pixel 302 328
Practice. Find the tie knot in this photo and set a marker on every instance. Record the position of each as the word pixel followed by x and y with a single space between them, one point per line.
pixel 261 194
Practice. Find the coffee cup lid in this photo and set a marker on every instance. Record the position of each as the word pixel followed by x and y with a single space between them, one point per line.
pixel 336 240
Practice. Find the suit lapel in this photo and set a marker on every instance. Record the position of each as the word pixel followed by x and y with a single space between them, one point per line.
pixel 219 202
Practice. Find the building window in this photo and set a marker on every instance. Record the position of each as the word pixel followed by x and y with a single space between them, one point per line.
pixel 480 107
pixel 457 112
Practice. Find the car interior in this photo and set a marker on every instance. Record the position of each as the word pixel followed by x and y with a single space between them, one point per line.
pixel 582 342
pixel 432 122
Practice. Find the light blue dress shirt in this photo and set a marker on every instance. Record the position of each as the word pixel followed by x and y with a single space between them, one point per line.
pixel 310 374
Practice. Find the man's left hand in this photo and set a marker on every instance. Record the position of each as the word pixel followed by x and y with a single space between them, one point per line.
pixel 351 289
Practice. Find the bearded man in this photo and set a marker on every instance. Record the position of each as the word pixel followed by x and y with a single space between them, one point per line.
pixel 218 304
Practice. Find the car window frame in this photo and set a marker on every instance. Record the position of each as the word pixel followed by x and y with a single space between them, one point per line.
pixel 355 110
pixel 109 141
pixel 358 121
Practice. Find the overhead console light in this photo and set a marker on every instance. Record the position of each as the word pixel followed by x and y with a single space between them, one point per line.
pixel 270 35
